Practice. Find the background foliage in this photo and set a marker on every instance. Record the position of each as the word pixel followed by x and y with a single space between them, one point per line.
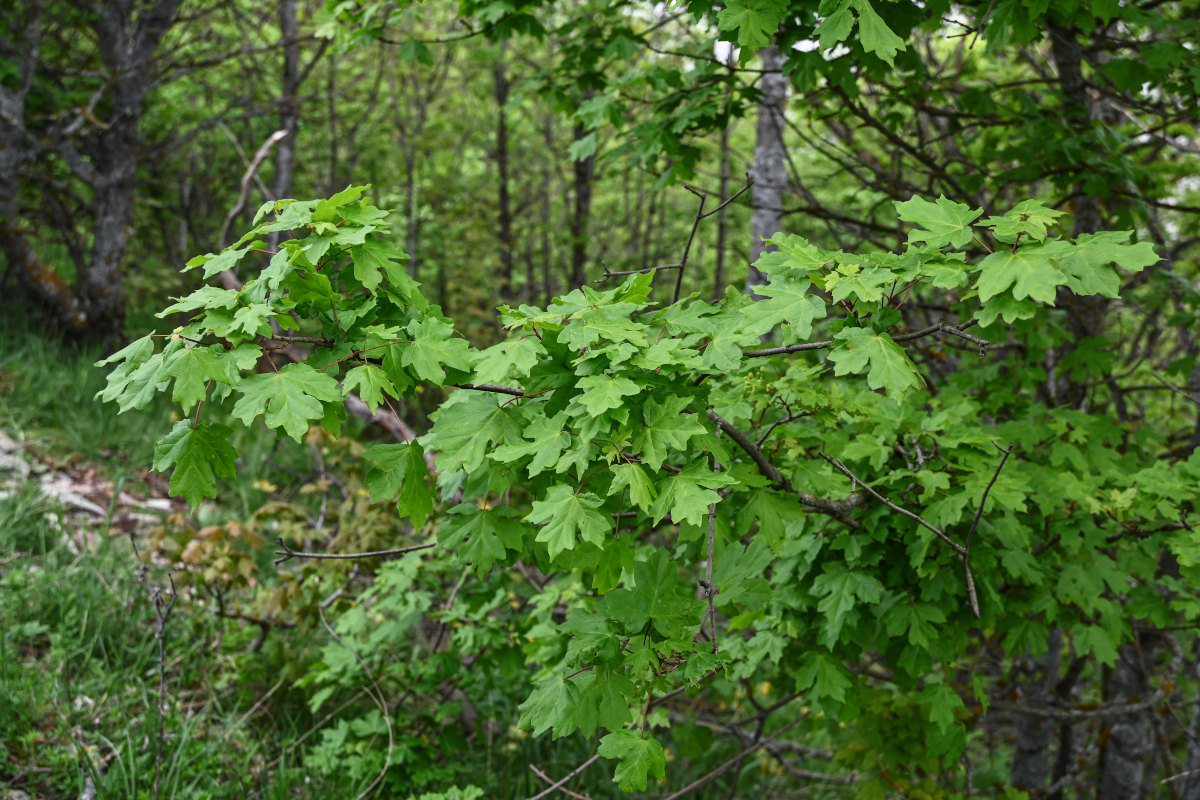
pixel 911 519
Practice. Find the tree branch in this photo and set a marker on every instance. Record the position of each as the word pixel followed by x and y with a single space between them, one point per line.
pixel 288 553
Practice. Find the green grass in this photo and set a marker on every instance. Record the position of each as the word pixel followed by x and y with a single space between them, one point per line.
pixel 79 660
pixel 47 400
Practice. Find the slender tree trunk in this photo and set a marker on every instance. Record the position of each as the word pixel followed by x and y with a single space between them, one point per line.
pixel 1191 784
pixel 1031 751
pixel 127 44
pixel 722 217
pixel 1085 314
pixel 412 229
pixel 1129 739
pixel 769 171
pixel 585 172
pixel 547 219
pixel 335 135
pixel 289 109
pixel 500 88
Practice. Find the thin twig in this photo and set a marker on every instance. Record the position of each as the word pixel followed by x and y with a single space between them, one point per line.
pixel 562 789
pixel 288 553
pixel 687 248
pixel 735 196
pixel 710 591
pixel 958 548
pixel 491 387
pixel 554 787
pixel 608 273
pixel 376 697
pixel 716 773
pixel 968 579
pixel 251 171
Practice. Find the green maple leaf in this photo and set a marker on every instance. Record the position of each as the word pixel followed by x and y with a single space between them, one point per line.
pixel 724 350
pixel 687 495
pixel 611 323
pixel 657 596
pixel 826 675
pixel 874 33
pixel 641 489
pixel 666 427
pixel 1029 218
pixel 373 259
pixel 639 758
pixel 200 455
pixel 192 368
pixel 919 621
pixel 839 589
pixel 545 440
pixel 1006 306
pixel 943 701
pixel 253 320
pixel 887 366
pixel 206 297
pixel 433 349
pixel 1032 272
pixel 795 256
pixel 399 469
pixel 1088 264
pixel 481 536
pixel 604 392
pixel 1095 640
pixel 866 284
pixel 609 694
pixel 553 704
pixel 738 572
pixel 371 382
pixel 834 28
pixel 291 398
pixel 515 358
pixel 134 382
pixel 567 516
pixel 465 427
pixel 668 352
pixel 787 302
pixel 944 222
pixel 213 264
pixel 755 21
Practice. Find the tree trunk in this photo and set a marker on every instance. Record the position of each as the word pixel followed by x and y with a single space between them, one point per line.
pixel 1031 751
pixel 500 87
pixel 1086 314
pixel 126 47
pixel 585 172
pixel 1191 784
pixel 1129 739
pixel 547 181
pixel 289 110
pixel 722 217
pixel 769 171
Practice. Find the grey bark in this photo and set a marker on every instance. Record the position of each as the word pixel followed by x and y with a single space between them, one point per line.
pixel 1191 785
pixel 289 114
pixel 546 224
pixel 1031 750
pixel 500 86
pixel 1085 314
pixel 722 217
pixel 585 173
pixel 126 45
pixel 1130 737
pixel 289 110
pixel 769 171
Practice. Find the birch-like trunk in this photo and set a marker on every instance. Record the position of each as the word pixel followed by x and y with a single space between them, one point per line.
pixel 769 171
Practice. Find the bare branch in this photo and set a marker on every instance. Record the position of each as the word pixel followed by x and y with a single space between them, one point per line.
pixel 288 553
